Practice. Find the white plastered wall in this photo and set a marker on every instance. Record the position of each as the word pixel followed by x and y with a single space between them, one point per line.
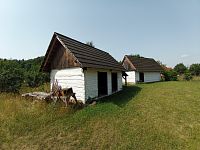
pixel 70 77
pixel 84 83
pixel 152 76
pixel 91 82
pixel 131 78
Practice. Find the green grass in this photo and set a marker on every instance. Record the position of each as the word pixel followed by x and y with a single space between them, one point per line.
pixel 163 115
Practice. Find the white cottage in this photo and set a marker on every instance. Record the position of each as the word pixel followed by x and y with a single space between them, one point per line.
pixel 140 69
pixel 91 72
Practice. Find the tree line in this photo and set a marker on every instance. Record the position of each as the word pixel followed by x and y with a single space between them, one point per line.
pixel 15 73
pixel 181 70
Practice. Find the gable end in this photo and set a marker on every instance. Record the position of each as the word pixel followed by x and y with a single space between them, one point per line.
pixel 58 56
pixel 127 64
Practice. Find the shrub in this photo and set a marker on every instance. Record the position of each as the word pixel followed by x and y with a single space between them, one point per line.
pixel 170 75
pixel 35 79
pixel 187 76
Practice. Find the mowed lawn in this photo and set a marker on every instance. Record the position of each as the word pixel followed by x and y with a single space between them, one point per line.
pixel 163 115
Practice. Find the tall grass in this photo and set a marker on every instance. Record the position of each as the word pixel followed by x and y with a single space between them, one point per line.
pixel 194 78
pixel 161 115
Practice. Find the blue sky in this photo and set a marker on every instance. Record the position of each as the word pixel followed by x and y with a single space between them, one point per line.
pixel 167 30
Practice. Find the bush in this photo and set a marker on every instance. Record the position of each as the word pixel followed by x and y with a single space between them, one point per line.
pixel 170 75
pixel 195 69
pixel 187 76
pixel 35 79
pixel 11 77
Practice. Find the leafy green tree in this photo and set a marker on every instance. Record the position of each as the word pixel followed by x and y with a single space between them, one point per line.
pixel 180 68
pixel 195 69
pixel 33 77
pixel 11 76
pixel 135 55
pixel 14 73
pixel 90 44
pixel 164 66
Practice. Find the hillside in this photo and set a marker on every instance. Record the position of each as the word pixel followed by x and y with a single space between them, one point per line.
pixel 161 115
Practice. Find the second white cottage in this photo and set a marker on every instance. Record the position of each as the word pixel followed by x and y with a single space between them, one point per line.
pixel 140 69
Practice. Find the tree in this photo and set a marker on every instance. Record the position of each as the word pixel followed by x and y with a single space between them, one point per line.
pixel 164 66
pixel 180 68
pixel 90 44
pixel 14 73
pixel 195 69
pixel 35 79
pixel 32 76
pixel 135 55
pixel 11 76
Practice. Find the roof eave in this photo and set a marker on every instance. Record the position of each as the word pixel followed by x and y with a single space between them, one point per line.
pixel 52 42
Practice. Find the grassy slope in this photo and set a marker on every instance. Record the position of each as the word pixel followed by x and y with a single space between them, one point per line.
pixel 147 116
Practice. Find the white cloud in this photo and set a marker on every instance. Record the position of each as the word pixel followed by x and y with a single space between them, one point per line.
pixel 184 55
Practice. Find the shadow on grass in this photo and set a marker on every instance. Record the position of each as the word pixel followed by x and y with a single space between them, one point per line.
pixel 123 97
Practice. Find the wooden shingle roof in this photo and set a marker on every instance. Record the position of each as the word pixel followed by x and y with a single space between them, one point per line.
pixel 88 56
pixel 142 64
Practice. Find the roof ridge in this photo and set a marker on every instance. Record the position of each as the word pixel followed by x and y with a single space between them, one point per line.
pixel 58 34
pixel 140 57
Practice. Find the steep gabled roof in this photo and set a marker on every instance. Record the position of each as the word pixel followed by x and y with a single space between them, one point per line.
pixel 87 56
pixel 142 64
